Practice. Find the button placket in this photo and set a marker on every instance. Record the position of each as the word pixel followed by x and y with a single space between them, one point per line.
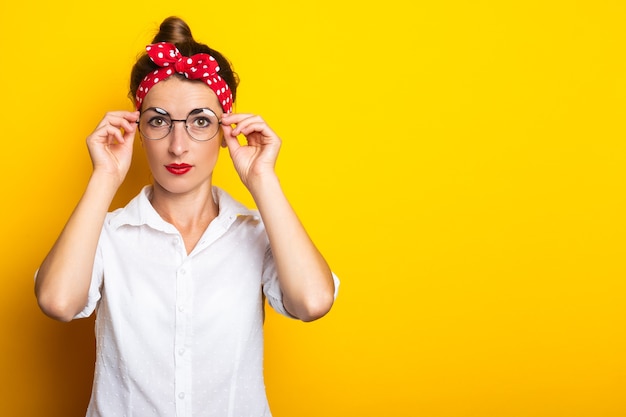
pixel 182 358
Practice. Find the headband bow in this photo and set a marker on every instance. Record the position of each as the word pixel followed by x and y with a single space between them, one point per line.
pixel 197 67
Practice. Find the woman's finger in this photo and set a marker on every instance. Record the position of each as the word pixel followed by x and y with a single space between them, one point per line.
pixel 241 121
pixel 114 122
pixel 120 119
pixel 252 127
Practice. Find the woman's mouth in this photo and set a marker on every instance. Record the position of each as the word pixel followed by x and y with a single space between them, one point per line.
pixel 178 169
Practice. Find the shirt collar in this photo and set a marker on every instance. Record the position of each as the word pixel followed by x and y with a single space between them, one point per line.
pixel 139 211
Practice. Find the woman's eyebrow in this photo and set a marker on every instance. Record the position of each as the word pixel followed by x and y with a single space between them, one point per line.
pixel 201 110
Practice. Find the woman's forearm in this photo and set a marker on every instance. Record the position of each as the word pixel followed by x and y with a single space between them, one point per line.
pixel 304 276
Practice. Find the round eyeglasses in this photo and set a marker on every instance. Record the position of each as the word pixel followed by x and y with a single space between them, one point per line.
pixel 201 124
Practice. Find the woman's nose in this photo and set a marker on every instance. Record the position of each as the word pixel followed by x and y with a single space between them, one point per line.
pixel 179 140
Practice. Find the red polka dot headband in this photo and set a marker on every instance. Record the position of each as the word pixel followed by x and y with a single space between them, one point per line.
pixel 197 67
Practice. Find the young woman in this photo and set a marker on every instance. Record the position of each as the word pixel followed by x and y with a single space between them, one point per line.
pixel 179 276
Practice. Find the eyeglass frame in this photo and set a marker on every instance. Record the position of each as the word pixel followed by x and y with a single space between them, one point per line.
pixel 164 112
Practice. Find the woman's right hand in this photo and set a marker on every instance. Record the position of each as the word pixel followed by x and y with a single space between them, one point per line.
pixel 111 144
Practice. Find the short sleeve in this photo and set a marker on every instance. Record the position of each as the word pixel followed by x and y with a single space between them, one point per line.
pixel 97 278
pixel 271 285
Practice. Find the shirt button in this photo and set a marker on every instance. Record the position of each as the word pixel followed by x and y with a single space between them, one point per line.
pixel 183 271
pixel 181 352
pixel 181 395
pixel 181 308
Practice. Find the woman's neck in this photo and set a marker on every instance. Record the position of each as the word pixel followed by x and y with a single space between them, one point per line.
pixel 190 213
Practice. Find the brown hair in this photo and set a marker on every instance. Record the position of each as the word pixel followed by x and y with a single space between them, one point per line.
pixel 175 30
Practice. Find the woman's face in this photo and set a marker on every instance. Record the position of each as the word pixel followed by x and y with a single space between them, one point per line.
pixel 178 163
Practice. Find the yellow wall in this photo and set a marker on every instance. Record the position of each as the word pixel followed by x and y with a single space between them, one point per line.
pixel 460 163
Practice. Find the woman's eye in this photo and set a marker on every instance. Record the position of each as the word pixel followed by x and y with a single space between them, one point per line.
pixel 201 122
pixel 158 122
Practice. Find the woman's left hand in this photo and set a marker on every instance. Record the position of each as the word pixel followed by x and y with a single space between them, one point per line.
pixel 257 158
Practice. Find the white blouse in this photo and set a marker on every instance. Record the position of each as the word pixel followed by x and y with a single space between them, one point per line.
pixel 181 335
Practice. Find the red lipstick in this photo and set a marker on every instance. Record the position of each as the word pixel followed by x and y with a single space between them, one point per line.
pixel 178 169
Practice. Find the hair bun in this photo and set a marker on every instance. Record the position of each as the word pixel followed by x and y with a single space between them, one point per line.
pixel 174 30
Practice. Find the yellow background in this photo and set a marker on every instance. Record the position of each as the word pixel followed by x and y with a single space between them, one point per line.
pixel 460 164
